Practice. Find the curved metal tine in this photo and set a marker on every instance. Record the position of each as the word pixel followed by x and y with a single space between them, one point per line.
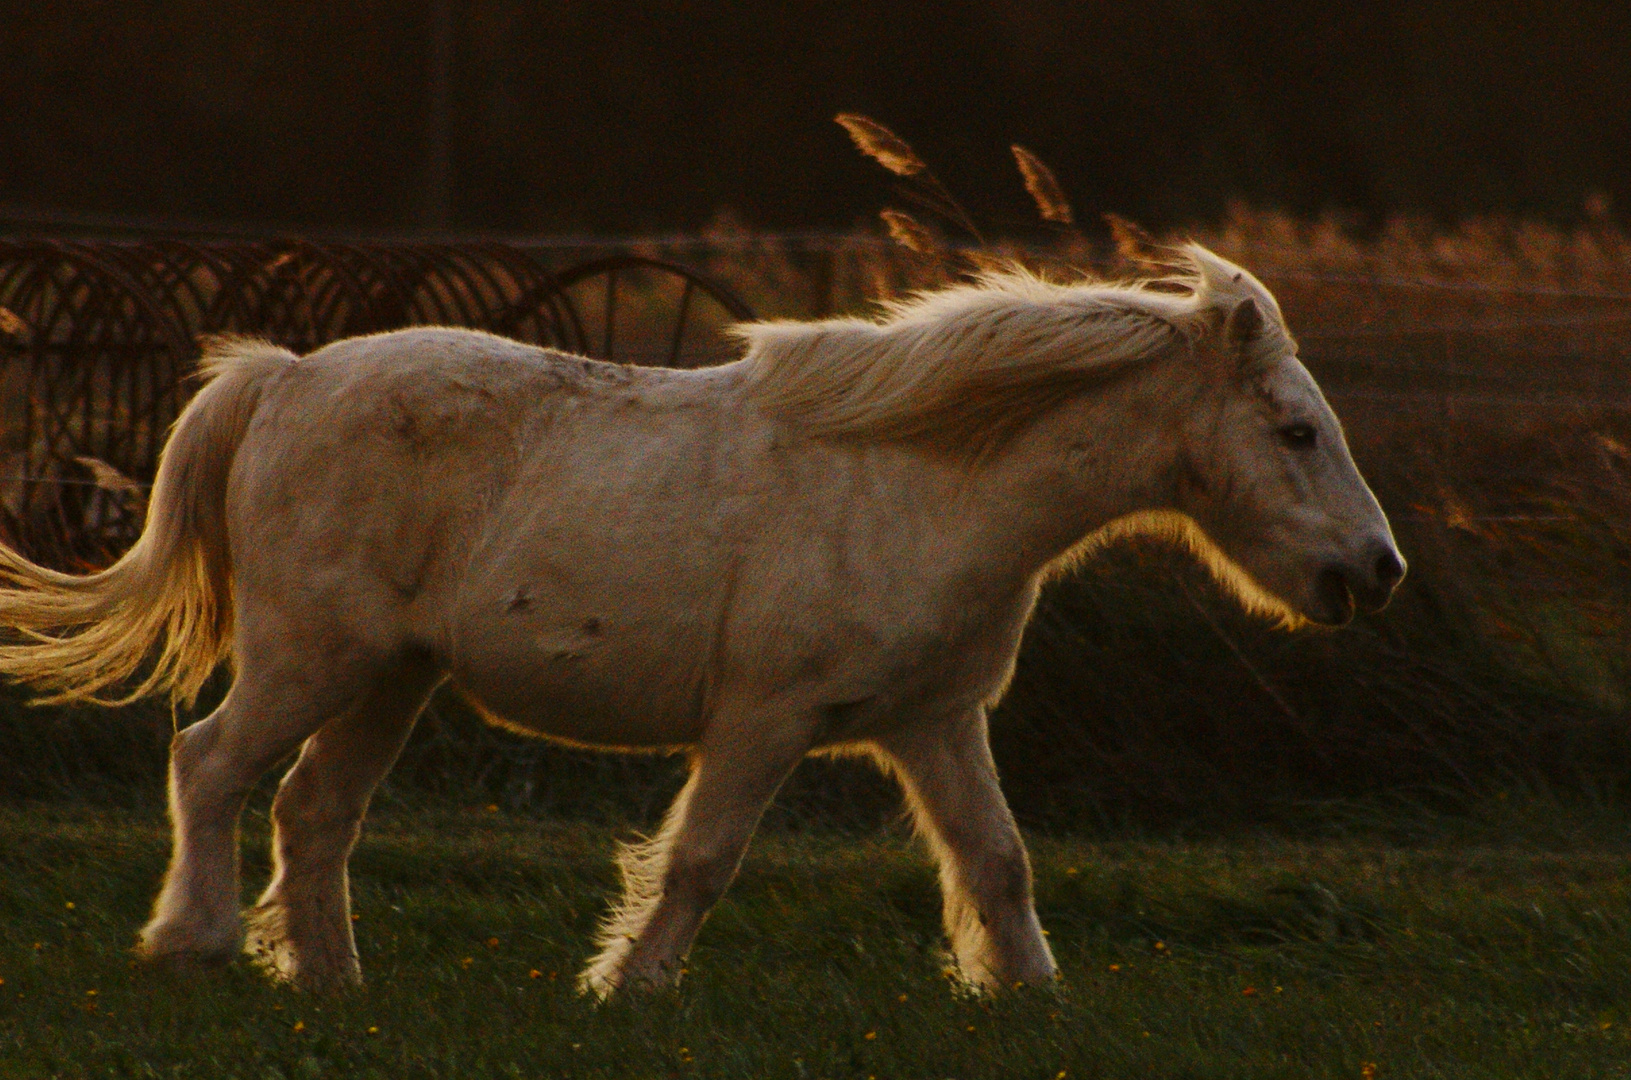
pixel 44 370
pixel 57 544
pixel 384 295
pixel 97 318
pixel 318 301
pixel 67 386
pixel 679 322
pixel 611 267
pixel 383 303
pixel 73 314
pixel 543 300
pixel 154 387
pixel 532 297
pixel 518 271
pixel 25 294
pixel 60 284
pixel 301 295
pixel 611 314
pixel 421 302
pixel 721 294
pixel 289 289
pixel 122 438
pixel 574 319
pixel 564 314
pixel 431 303
pixel 275 277
pixel 197 271
pixel 473 285
pixel 184 264
pixel 352 302
pixel 332 301
pixel 488 265
pixel 81 434
pixel 436 298
pixel 239 301
pixel 116 446
pixel 461 280
pixel 535 304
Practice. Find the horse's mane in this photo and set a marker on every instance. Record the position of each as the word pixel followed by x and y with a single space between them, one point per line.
pixel 969 365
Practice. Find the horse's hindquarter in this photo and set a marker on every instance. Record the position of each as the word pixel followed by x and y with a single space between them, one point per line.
pixel 456 495
pixel 363 478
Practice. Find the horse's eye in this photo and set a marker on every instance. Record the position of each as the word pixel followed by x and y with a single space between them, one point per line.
pixel 1300 436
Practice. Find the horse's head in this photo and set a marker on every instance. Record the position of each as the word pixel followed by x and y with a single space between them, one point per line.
pixel 1265 471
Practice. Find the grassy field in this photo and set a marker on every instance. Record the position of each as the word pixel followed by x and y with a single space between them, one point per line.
pixel 1256 958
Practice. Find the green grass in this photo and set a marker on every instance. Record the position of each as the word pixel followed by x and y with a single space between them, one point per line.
pixel 1253 958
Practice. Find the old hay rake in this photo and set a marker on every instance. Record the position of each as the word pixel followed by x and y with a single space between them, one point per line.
pixel 97 340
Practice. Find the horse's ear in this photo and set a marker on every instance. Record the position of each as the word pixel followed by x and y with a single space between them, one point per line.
pixel 1244 324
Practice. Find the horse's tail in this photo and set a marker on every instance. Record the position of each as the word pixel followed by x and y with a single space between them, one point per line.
pixel 169 598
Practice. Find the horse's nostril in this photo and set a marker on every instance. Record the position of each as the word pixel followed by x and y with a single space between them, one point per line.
pixel 1389 569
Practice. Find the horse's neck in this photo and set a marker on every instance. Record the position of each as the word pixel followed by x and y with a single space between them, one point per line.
pixel 1108 455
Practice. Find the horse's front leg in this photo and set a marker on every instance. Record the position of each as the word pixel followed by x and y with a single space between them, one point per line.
pixel 672 880
pixel 985 876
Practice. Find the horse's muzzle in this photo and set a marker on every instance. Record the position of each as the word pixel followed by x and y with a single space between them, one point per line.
pixel 1366 583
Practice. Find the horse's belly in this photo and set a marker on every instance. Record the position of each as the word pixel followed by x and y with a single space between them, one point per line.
pixel 587 684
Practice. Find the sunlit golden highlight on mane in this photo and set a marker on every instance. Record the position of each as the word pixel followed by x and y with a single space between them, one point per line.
pixel 968 365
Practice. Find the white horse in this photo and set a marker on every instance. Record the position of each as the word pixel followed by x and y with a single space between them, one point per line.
pixel 832 544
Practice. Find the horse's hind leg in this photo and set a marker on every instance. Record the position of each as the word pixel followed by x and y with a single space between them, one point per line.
pixel 300 929
pixel 671 881
pixel 214 764
pixel 985 876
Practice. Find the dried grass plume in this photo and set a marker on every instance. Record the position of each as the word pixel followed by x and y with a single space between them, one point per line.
pixel 1044 187
pixel 882 145
pixel 910 233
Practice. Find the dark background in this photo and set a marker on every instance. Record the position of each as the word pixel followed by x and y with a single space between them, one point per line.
pixel 623 116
